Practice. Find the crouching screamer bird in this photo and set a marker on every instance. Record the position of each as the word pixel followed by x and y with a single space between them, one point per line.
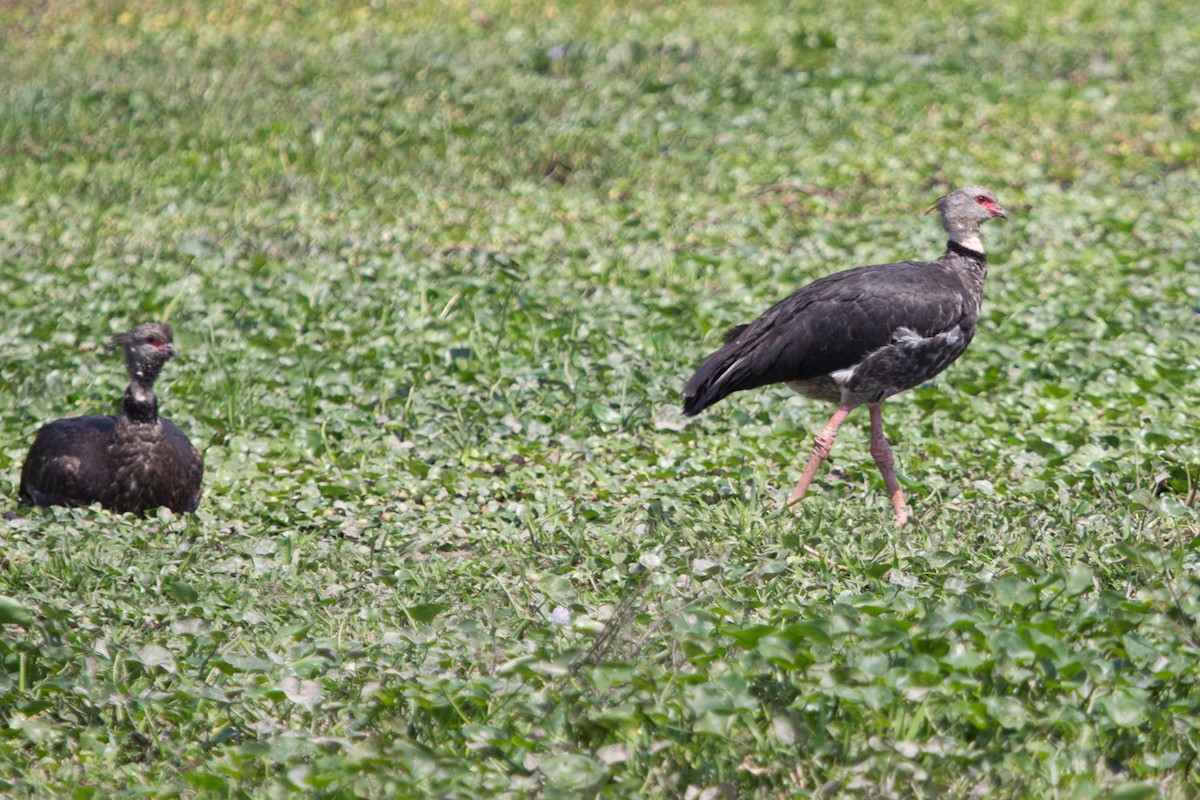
pixel 131 463
pixel 860 336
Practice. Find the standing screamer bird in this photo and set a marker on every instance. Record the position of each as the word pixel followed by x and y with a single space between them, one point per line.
pixel 133 462
pixel 862 335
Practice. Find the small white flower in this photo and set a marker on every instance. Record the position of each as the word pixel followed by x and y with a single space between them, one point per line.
pixel 561 615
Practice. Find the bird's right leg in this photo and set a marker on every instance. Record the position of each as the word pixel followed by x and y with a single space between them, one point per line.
pixel 882 453
pixel 821 448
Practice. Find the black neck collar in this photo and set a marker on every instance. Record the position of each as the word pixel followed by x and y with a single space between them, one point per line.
pixel 954 247
pixel 140 406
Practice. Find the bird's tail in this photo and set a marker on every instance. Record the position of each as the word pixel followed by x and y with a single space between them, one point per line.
pixel 699 393
pixel 712 381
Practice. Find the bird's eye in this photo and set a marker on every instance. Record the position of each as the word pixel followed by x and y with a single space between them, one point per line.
pixel 983 201
pixel 154 341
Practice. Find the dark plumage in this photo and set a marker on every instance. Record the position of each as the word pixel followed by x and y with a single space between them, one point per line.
pixel 862 335
pixel 133 462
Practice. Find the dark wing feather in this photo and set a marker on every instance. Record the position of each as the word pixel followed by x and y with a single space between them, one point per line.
pixel 68 463
pixel 733 333
pixel 831 324
pixel 187 483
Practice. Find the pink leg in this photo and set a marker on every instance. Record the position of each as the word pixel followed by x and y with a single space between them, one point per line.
pixel 882 453
pixel 824 443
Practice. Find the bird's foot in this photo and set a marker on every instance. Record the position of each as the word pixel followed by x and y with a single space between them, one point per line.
pixel 793 500
pixel 801 488
pixel 899 506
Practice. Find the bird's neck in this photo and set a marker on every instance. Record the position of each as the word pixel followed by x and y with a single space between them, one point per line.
pixel 970 264
pixel 143 372
pixel 966 240
pixel 966 251
pixel 139 404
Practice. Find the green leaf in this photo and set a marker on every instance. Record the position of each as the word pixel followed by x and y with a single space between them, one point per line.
pixel 1126 707
pixel 749 635
pixel 805 632
pixel 153 655
pixel 206 781
pixel 714 722
pixel 571 772
pixel 1133 791
pixel 12 612
pixel 605 413
pixel 1008 711
pixel 1079 579
pixel 605 676
pixel 425 612
pixel 233 662
pixel 782 653
pixel 183 592
pixel 966 661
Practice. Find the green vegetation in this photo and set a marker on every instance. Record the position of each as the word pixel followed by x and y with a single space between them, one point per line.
pixel 438 273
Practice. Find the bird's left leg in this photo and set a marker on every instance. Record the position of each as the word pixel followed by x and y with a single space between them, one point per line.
pixel 821 447
pixel 882 453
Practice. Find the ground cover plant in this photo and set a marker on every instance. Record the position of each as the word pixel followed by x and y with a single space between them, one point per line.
pixel 438 273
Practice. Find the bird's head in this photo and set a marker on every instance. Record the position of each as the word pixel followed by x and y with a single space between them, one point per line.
pixel 964 210
pixel 147 348
pixel 968 208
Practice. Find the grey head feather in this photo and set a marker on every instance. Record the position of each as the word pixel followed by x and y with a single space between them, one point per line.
pixel 964 210
pixel 147 348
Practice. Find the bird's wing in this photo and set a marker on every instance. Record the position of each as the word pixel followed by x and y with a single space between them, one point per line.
pixel 189 469
pixel 68 463
pixel 831 324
